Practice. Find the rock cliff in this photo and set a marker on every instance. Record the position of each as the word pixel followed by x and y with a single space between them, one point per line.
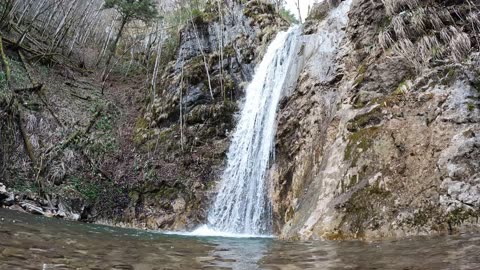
pixel 387 145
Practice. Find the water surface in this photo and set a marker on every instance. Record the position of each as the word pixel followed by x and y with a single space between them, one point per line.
pixel 34 242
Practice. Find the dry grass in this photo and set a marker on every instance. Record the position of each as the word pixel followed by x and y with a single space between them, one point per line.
pixel 395 6
pixel 385 39
pixel 460 46
pixel 426 31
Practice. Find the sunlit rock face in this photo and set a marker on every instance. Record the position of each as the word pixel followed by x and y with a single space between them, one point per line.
pixel 384 142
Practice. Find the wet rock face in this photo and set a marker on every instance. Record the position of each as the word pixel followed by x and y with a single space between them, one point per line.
pixel 189 123
pixel 386 148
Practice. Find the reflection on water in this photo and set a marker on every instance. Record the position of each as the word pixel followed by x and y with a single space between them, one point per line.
pixel 32 242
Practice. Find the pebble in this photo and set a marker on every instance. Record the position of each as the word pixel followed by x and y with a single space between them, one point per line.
pixel 14 252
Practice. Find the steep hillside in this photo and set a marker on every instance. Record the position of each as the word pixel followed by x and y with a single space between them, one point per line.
pixel 76 147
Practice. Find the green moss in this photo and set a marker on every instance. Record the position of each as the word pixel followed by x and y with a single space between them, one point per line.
pixel 476 85
pixel 386 22
pixel 3 80
pixel 390 100
pixel 470 107
pixel 141 123
pixel 337 235
pixel 166 193
pixel 19 75
pixel 421 218
pixel 374 117
pixel 289 214
pixel 359 142
pixel 141 128
pixel 360 100
pixel 450 76
pixel 364 208
pixel 362 69
pixel 195 71
pixel 105 123
pixel 134 196
pixel 89 191
pixel 203 16
pixel 229 51
pixel 360 75
pixel 229 85
pixel 401 88
pixel 353 180
pixel 458 216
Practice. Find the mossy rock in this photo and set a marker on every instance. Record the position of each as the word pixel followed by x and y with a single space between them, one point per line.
pixel 364 209
pixel 254 8
pixel 460 215
pixel 449 76
pixel 229 51
pixel 362 70
pixel 359 142
pixel 372 118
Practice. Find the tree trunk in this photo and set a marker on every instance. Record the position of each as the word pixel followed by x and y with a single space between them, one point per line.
pixel 115 43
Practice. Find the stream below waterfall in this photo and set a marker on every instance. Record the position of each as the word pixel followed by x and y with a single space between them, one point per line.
pixel 35 242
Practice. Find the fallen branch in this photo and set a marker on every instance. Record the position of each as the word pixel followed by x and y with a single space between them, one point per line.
pixel 76 134
pixel 18 47
pixel 5 65
pixel 79 86
pixel 80 97
pixel 29 89
pixel 94 166
pixel 58 148
pixel 26 139
pixel 16 110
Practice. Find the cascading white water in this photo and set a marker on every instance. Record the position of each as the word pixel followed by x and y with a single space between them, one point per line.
pixel 242 205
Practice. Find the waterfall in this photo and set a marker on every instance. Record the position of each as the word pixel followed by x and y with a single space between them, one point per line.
pixel 242 205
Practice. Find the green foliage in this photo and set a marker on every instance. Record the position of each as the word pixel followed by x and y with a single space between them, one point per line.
pixel 458 216
pixel 470 107
pixel 104 123
pixel 144 10
pixel 288 16
pixel 3 80
pixel 88 190
pixel 22 186
pixel 359 142
pixel 19 75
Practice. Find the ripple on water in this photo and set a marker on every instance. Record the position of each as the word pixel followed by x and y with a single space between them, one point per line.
pixel 46 244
